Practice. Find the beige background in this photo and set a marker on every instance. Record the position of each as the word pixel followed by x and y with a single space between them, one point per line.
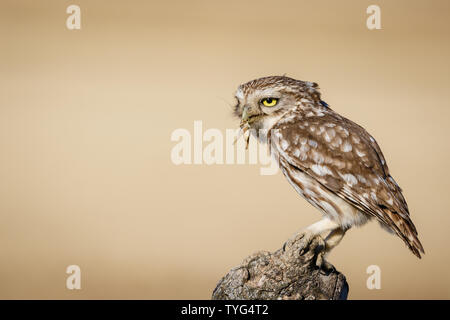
pixel 85 123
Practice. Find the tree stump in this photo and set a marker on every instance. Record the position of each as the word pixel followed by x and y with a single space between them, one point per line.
pixel 286 274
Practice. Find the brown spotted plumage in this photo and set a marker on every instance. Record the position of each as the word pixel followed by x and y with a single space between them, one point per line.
pixel 331 161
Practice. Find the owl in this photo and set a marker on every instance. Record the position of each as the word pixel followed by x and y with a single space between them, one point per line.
pixel 332 162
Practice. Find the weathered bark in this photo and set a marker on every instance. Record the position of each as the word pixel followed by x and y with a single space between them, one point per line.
pixel 284 274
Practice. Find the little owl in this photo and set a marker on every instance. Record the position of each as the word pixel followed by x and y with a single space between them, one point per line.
pixel 335 164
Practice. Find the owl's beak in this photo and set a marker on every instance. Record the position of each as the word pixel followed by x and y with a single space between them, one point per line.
pixel 249 116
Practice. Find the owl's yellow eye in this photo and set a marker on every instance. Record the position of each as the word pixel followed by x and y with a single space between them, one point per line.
pixel 269 102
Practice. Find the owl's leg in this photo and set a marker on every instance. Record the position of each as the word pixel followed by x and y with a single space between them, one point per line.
pixel 322 226
pixel 304 237
pixel 334 238
pixel 331 241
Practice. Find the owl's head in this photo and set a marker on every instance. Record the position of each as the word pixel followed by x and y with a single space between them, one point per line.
pixel 261 102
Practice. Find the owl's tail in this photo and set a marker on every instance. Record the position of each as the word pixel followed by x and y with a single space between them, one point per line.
pixel 405 229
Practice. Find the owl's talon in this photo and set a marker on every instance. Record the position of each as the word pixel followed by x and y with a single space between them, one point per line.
pixel 305 242
pixel 301 240
pixel 325 267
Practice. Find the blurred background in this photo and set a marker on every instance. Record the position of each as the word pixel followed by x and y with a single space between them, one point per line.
pixel 86 116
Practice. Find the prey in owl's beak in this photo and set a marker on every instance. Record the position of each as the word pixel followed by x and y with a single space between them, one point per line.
pixel 243 128
pixel 244 118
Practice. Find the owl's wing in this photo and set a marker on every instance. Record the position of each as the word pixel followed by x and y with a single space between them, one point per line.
pixel 346 160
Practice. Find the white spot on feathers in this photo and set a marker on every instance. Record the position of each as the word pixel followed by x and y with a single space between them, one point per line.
pixel 349 178
pixel 360 153
pixel 284 144
pixel 317 157
pixel 304 148
pixel 320 170
pixel 373 196
pixel 362 179
pixel 329 134
pixel 347 147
